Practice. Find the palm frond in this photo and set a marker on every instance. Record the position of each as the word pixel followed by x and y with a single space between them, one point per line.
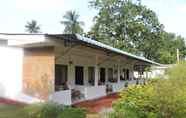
pixel 32 27
pixel 71 23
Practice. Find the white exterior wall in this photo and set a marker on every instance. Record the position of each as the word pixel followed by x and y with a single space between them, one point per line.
pixel 95 92
pixel 116 87
pixel 156 73
pixel 61 97
pixel 11 60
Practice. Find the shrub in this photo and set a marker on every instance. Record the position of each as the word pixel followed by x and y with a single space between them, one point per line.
pixel 135 102
pixel 162 98
pixel 42 110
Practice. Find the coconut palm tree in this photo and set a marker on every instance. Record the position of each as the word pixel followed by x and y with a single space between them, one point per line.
pixel 72 25
pixel 32 27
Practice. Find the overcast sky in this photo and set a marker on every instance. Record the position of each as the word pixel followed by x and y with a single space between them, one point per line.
pixel 15 13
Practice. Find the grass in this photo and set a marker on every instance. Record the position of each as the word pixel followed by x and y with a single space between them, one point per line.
pixel 93 116
pixel 9 111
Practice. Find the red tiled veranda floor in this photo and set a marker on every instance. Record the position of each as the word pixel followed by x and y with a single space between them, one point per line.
pixel 98 104
pixel 10 102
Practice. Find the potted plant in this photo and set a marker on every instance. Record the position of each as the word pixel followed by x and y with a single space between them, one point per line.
pixel 126 84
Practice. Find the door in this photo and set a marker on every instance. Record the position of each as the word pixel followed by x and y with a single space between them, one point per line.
pixel 60 75
pixel 102 75
pixel 91 75
pixel 127 74
pixel 110 74
pixel 79 75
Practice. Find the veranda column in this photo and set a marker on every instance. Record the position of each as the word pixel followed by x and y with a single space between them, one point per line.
pixel 141 74
pixel 118 74
pixel 131 74
pixel 96 72
pixel 106 75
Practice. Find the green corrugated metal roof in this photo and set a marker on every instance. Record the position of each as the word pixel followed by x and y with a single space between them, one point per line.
pixel 94 42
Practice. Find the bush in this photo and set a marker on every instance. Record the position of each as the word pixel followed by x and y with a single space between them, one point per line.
pixel 50 110
pixel 42 110
pixel 158 99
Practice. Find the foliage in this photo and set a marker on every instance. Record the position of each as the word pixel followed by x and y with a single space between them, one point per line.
pixel 177 72
pixel 50 110
pixel 162 98
pixel 32 27
pixel 42 110
pixel 131 26
pixel 167 52
pixel 72 113
pixel 72 25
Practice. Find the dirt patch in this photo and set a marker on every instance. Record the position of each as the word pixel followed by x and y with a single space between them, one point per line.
pixel 97 105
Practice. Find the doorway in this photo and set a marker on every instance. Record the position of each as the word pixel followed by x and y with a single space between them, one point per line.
pixel 61 75
pixel 79 75
pixel 102 75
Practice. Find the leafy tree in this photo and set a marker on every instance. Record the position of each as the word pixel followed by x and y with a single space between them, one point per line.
pixel 131 26
pixel 32 27
pixel 72 25
pixel 128 25
pixel 170 43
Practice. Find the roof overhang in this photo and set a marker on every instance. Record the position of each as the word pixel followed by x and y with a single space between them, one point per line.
pixel 24 40
pixel 95 44
pixel 32 40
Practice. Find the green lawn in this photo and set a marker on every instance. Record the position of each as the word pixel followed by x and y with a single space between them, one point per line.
pixel 9 111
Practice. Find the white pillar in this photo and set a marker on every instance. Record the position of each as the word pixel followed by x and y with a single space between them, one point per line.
pixel 106 75
pixel 118 74
pixel 96 72
pixel 86 75
pixel 147 73
pixel 71 77
pixel 131 74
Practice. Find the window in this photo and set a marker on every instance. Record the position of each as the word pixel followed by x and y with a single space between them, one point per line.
pixel 122 74
pixel 115 74
pixel 102 75
pixel 60 76
pixel 126 74
pixel 91 75
pixel 79 75
pixel 110 75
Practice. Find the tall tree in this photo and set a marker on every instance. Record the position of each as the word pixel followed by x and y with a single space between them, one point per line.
pixel 32 27
pixel 72 23
pixel 170 43
pixel 129 26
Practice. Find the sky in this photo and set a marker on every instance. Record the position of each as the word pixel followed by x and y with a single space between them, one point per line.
pixel 15 13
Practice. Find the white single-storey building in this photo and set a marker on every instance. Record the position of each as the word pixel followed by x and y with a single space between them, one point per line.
pixel 159 71
pixel 64 68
